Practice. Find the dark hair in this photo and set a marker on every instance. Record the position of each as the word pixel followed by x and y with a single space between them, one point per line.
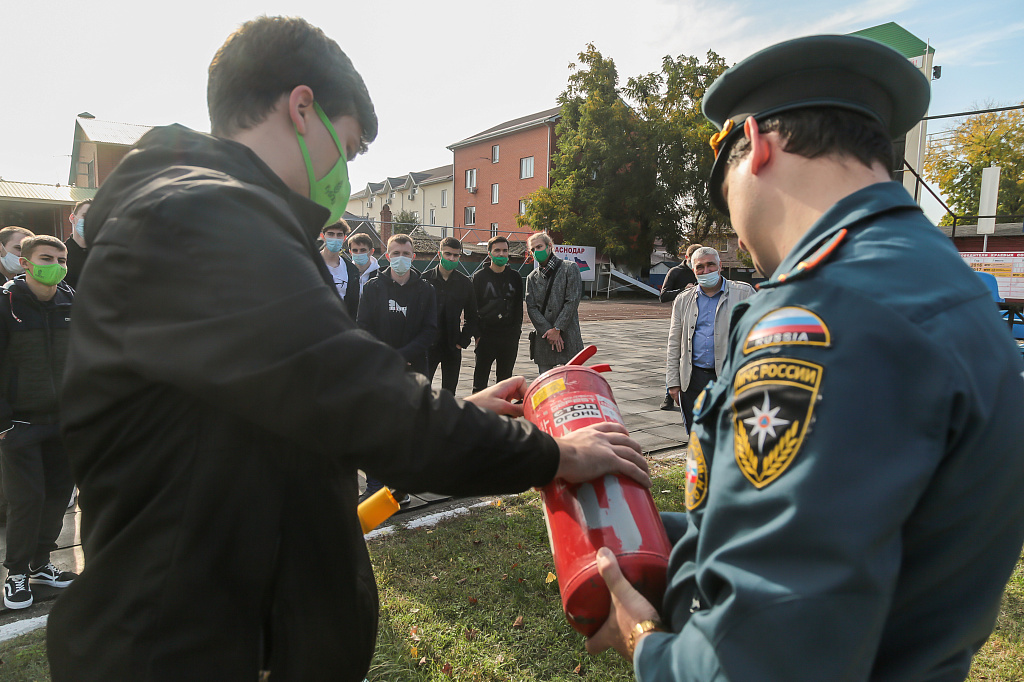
pixel 271 56
pixel 824 131
pixel 451 243
pixel 29 246
pixel 80 204
pixel 360 238
pixel 340 225
pixel 494 240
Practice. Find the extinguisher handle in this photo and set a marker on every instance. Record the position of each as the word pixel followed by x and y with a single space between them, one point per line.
pixel 583 355
pixel 601 367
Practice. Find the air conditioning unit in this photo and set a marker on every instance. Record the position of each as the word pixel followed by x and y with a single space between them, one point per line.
pixel 471 190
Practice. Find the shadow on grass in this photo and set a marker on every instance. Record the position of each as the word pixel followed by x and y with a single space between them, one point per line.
pixel 472 601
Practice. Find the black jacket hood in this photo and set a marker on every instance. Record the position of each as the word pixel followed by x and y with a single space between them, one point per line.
pixel 171 152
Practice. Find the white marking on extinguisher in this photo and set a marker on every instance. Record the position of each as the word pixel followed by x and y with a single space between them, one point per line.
pixel 617 515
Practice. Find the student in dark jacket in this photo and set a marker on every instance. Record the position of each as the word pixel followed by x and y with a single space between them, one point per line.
pixel 76 243
pixel 35 314
pixel 455 302
pixel 183 403
pixel 399 308
pixel 499 300
pixel 344 274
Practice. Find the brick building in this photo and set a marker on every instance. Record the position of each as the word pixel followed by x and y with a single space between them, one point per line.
pixel 496 169
pixel 98 147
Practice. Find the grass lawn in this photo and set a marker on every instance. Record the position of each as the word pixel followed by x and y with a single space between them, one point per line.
pixel 471 599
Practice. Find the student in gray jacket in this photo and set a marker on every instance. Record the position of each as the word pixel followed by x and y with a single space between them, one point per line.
pixel 556 286
pixel 699 330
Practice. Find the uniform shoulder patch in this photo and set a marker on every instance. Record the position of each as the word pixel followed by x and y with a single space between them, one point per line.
pixel 696 474
pixel 789 326
pixel 773 403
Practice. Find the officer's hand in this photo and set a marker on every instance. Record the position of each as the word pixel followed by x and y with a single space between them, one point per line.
pixel 628 608
pixel 498 398
pixel 674 392
pixel 599 449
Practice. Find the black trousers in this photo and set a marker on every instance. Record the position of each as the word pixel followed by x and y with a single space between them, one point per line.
pixel 38 485
pixel 699 379
pixel 451 365
pixel 501 346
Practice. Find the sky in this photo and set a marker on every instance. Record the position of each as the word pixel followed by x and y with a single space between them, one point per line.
pixel 437 71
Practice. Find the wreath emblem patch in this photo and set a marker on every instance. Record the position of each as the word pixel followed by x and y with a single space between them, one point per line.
pixel 773 404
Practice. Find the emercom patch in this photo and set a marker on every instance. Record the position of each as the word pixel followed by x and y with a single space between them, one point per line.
pixel 789 326
pixel 773 402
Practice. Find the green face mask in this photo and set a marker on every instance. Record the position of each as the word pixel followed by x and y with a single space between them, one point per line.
pixel 49 274
pixel 541 255
pixel 500 261
pixel 331 191
pixel 449 264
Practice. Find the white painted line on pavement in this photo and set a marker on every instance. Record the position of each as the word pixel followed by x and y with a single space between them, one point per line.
pixel 21 627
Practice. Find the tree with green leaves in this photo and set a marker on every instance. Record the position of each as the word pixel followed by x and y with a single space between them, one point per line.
pixel 624 174
pixel 405 222
pixel 955 162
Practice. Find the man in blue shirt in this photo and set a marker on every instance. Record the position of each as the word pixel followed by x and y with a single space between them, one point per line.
pixel 853 495
pixel 699 330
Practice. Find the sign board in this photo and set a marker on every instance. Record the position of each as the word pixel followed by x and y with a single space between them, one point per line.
pixel 989 192
pixel 1006 267
pixel 585 257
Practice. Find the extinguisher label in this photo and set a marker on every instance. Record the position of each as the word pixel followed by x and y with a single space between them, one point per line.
pixel 611 411
pixel 577 411
pixel 546 391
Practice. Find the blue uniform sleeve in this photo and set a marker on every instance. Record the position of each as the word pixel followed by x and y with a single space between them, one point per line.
pixel 818 463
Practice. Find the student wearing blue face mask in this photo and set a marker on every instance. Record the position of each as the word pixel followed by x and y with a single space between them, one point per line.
pixel 76 242
pixel 344 273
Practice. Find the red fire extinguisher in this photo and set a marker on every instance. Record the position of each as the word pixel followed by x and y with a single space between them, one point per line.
pixel 613 511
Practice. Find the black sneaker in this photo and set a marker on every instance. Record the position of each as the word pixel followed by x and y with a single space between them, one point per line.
pixel 402 498
pixel 668 403
pixel 50 575
pixel 17 594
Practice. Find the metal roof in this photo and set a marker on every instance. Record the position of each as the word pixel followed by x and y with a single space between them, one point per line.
pixel 511 126
pixel 896 37
pixel 40 193
pixel 110 132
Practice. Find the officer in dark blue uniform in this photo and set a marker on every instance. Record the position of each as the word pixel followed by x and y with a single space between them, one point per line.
pixel 855 476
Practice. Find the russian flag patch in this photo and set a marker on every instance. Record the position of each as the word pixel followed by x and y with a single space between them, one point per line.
pixel 789 326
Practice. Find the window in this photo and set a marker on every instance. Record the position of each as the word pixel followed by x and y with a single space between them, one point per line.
pixel 494 229
pixel 391 195
pixel 494 154
pixel 432 216
pixel 494 193
pixel 444 198
pixel 471 178
pixel 470 215
pixel 526 168
pixel 522 207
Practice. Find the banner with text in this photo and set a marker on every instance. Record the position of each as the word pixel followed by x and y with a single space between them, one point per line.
pixel 583 256
pixel 1006 267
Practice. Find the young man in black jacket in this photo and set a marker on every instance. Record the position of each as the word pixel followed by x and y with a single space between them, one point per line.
pixel 399 308
pixel 455 301
pixel 344 274
pixel 499 299
pixel 34 321
pixel 76 243
pixel 185 402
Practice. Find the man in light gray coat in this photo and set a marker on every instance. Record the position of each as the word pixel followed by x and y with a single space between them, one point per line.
pixel 558 336
pixel 699 330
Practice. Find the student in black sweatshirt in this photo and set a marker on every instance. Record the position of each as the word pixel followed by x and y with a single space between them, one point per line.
pixel 499 299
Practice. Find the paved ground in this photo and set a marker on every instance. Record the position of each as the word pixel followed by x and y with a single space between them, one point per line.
pixel 626 337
